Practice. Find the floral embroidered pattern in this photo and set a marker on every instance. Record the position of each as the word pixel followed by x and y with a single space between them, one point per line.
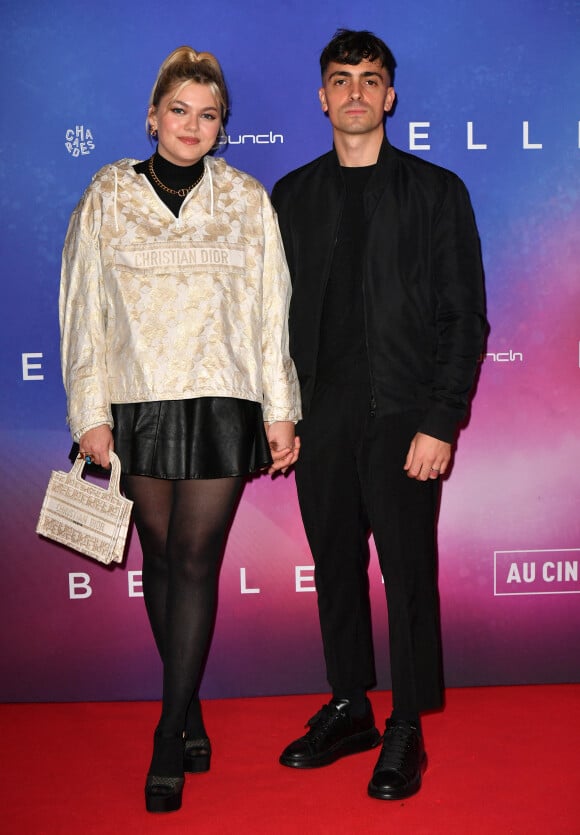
pixel 155 307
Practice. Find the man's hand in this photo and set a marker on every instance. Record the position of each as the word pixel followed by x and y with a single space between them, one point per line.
pixel 428 457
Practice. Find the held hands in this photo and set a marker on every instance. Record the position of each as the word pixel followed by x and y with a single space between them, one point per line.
pixel 96 443
pixel 284 445
pixel 428 457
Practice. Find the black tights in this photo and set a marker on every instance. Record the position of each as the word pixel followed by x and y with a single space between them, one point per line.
pixel 182 527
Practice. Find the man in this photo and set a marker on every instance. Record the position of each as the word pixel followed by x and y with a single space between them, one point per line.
pixel 386 325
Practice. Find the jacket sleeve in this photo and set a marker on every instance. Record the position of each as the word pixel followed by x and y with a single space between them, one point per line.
pixel 83 322
pixel 279 379
pixel 280 201
pixel 459 311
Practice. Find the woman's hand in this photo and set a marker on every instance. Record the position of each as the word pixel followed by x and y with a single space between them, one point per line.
pixel 284 445
pixel 97 442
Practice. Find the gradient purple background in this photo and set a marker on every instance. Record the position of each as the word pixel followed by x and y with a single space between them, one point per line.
pixel 515 482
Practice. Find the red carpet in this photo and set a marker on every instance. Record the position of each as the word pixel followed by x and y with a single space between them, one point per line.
pixel 501 760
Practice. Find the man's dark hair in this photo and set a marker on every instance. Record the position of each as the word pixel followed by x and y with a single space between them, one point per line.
pixel 350 47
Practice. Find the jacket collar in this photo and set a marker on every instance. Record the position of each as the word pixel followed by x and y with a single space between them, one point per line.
pixel 384 161
pixel 380 178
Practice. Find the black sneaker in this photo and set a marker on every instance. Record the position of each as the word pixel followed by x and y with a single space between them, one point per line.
pixel 401 763
pixel 333 733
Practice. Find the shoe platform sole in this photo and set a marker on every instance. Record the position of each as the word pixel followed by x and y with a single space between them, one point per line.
pixel 159 803
pixel 196 765
pixel 355 744
pixel 399 793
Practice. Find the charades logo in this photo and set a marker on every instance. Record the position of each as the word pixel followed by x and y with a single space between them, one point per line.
pixel 79 141
pixel 546 571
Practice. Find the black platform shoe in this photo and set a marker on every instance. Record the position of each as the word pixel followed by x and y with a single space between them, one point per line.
pixel 197 755
pixel 163 792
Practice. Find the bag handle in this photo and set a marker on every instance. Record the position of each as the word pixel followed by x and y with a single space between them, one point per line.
pixel 114 479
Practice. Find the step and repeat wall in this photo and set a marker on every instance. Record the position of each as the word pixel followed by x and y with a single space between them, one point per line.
pixel 489 90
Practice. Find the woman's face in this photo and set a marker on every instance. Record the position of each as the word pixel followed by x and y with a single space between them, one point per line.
pixel 187 121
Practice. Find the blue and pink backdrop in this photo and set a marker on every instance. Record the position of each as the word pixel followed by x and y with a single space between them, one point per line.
pixel 490 90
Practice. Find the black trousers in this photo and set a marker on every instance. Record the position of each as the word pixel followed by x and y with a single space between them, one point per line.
pixel 351 481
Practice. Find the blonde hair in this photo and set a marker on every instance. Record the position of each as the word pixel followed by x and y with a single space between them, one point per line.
pixel 183 66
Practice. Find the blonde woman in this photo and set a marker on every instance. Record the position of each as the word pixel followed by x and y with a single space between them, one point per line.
pixel 173 309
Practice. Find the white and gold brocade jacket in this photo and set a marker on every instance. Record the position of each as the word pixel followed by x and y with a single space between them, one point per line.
pixel 158 307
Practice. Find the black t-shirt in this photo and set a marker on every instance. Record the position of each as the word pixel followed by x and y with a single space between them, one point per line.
pixel 342 355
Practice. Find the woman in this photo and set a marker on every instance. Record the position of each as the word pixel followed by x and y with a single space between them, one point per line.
pixel 173 310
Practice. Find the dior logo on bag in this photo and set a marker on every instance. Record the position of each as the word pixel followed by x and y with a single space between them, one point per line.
pixel 84 516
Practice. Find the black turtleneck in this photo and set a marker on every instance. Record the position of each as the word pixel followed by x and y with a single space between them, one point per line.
pixel 172 176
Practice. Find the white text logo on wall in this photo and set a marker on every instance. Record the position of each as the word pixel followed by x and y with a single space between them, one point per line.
pixel 544 571
pixel 420 140
pixel 79 141
pixel 502 356
pixel 269 138
pixel 80 587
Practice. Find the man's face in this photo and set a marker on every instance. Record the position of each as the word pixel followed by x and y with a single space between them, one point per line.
pixel 356 97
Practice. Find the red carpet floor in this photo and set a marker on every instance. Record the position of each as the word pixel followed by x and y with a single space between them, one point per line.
pixel 501 760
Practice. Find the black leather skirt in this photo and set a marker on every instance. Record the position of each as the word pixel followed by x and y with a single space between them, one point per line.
pixel 204 437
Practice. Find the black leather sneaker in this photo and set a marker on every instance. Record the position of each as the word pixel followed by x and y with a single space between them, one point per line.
pixel 333 733
pixel 401 763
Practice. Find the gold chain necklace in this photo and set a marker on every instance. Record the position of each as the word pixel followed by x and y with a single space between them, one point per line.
pixel 180 192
